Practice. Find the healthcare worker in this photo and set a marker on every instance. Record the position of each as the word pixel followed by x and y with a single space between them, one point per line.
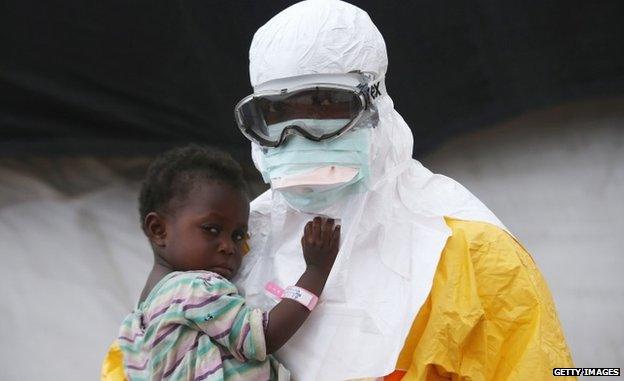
pixel 428 284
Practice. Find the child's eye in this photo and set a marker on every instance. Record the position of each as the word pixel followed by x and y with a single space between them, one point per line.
pixel 239 236
pixel 211 229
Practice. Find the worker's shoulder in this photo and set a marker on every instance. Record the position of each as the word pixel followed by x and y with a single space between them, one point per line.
pixel 499 263
pixel 477 230
pixel 486 243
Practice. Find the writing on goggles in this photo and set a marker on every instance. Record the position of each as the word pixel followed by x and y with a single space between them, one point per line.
pixel 316 112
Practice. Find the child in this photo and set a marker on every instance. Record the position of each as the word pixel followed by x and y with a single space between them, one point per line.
pixel 191 323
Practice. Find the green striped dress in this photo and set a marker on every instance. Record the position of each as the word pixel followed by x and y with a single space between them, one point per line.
pixel 195 326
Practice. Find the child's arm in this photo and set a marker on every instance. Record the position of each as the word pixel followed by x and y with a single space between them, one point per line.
pixel 320 244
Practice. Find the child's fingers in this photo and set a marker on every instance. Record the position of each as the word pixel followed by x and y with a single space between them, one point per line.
pixel 316 230
pixel 307 233
pixel 327 231
pixel 335 239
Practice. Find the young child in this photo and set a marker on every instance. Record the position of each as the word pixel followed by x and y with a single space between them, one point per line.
pixel 191 323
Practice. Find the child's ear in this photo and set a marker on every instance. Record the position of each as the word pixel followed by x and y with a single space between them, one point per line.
pixel 155 229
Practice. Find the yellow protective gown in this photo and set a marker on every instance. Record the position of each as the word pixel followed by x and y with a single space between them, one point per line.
pixel 489 316
pixel 112 367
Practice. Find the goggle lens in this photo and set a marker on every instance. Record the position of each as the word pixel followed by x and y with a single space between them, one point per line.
pixel 317 112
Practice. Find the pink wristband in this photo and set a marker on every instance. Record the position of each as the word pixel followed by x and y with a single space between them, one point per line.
pixel 274 290
pixel 298 294
pixel 301 295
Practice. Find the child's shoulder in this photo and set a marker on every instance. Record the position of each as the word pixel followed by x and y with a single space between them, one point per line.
pixel 195 279
pixel 182 284
pixel 201 275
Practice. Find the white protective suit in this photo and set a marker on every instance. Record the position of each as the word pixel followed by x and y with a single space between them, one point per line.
pixel 392 234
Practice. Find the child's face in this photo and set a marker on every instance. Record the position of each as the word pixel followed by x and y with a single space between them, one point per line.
pixel 207 230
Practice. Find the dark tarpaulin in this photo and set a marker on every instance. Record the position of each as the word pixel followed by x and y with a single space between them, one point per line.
pixel 123 77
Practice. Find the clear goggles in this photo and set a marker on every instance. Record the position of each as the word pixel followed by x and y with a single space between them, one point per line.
pixel 317 107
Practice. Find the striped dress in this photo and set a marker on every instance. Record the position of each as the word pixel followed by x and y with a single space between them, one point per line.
pixel 195 326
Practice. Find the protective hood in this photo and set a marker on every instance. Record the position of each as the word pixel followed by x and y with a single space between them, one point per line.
pixel 392 234
pixel 295 42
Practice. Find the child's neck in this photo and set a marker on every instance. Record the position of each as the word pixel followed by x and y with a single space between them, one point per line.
pixel 159 270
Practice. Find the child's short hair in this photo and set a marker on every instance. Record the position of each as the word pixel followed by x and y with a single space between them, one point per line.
pixel 172 175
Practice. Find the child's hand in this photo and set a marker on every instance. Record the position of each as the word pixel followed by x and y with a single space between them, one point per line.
pixel 320 242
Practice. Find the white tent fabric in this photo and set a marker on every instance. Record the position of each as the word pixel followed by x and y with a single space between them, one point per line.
pixel 73 262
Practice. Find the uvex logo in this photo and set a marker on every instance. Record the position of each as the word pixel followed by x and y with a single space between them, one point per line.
pixel 374 90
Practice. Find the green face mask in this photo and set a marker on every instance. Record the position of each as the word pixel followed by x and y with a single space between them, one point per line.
pixel 299 156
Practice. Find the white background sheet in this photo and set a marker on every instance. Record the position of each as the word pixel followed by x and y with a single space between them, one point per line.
pixel 73 263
